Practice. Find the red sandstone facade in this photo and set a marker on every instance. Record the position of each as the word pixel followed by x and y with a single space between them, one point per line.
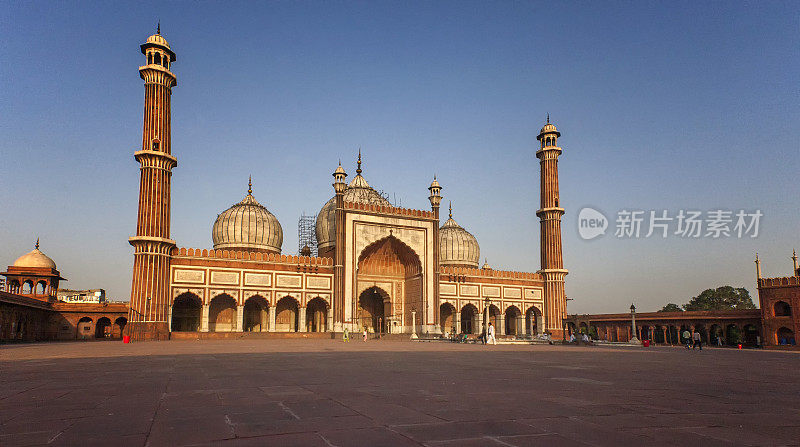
pixel 721 327
pixel 380 269
pixel 779 299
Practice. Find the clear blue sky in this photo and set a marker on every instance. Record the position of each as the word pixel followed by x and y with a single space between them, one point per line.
pixel 661 105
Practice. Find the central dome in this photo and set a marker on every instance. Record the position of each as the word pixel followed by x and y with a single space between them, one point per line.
pixel 358 191
pixel 35 259
pixel 457 246
pixel 247 226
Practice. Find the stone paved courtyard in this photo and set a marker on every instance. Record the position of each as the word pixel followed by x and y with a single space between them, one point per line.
pixel 327 393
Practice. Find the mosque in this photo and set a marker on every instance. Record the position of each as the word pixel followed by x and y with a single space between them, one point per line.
pixel 380 267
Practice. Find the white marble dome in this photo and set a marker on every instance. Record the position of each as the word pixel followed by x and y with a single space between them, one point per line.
pixel 247 226
pixel 157 39
pixel 35 259
pixel 358 191
pixel 457 246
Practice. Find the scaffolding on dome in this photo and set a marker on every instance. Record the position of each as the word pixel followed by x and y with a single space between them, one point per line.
pixel 307 235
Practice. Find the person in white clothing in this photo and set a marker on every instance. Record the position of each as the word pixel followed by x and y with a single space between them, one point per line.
pixel 490 338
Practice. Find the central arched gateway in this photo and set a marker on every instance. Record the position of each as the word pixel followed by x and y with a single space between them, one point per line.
pixel 390 279
pixel 372 304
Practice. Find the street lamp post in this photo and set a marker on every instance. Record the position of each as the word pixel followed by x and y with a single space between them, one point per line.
pixel 414 324
pixel 634 339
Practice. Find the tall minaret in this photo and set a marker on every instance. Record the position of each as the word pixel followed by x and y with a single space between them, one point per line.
pixel 550 213
pixel 339 187
pixel 436 200
pixel 150 298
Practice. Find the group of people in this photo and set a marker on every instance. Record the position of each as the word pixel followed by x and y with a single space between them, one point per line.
pixel 584 338
pixel 486 336
pixel 346 335
pixel 693 339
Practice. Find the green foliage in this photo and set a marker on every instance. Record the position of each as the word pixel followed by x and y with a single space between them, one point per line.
pixel 721 298
pixel 671 307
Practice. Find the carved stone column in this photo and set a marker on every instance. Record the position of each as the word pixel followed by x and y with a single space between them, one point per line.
pixel 239 319
pixel 301 320
pixel 204 319
pixel 271 318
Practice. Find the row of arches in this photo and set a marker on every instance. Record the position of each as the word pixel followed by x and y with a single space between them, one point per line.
pixel 154 57
pixel 28 287
pixel 719 334
pixel 549 141
pixel 87 327
pixel 468 320
pixel 257 316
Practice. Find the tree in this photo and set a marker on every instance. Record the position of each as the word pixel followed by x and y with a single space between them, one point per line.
pixel 721 298
pixel 671 307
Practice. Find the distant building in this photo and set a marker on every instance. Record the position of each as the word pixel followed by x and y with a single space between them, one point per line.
pixel 716 327
pixel 81 296
pixel 32 307
pixel 779 298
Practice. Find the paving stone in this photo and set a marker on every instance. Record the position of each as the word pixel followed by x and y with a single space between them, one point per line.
pixel 377 436
pixel 543 440
pixel 324 392
pixel 289 440
pixel 465 430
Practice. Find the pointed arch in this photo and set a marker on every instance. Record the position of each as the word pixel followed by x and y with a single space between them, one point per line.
pixel 286 314
pixel 447 318
pixel 513 320
pixel 390 259
pixel 222 314
pixel 256 314
pixel 469 319
pixel 186 312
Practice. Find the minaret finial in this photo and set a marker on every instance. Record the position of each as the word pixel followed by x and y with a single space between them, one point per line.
pixel 358 171
pixel 758 267
pixel 250 185
pixel 451 209
pixel 548 117
pixel 37 243
pixel 158 28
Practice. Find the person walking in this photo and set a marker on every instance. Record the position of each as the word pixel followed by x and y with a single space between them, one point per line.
pixel 687 337
pixel 697 341
pixel 345 335
pixel 491 338
pixel 365 334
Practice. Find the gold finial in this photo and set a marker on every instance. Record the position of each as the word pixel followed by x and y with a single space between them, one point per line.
pixel 548 117
pixel 756 257
pixel 358 171
pixel 794 254
pixel 250 185
pixel 37 243
pixel 451 209
pixel 158 28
